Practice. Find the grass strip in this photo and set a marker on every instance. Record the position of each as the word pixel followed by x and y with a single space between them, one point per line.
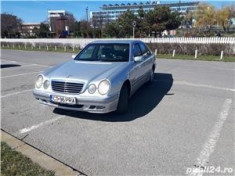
pixel 43 48
pixel 14 163
pixel 200 57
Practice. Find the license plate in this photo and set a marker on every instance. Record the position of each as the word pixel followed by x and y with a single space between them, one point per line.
pixel 63 100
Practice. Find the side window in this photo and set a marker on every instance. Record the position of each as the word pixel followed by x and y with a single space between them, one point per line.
pixel 144 49
pixel 136 50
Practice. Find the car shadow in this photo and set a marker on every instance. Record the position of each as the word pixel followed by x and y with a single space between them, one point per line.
pixel 142 102
pixel 9 65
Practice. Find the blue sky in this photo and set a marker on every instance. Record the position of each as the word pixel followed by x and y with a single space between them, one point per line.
pixel 36 11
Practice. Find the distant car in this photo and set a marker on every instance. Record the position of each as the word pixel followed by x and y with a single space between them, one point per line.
pixel 100 79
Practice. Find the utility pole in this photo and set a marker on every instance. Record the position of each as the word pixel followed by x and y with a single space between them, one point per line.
pixel 179 5
pixel 134 25
pixel 87 24
pixel 87 14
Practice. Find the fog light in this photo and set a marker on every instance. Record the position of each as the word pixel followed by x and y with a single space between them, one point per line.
pixel 46 84
pixel 92 88
pixel 92 107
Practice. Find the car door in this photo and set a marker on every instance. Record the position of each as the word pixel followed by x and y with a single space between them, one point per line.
pixel 137 72
pixel 147 63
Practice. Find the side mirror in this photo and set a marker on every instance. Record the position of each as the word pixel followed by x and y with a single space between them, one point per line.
pixel 73 56
pixel 138 59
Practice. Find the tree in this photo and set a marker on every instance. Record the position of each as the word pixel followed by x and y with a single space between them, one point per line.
pixel 205 16
pixel 141 13
pixel 76 29
pixel 142 25
pixel 98 25
pixel 122 27
pixel 157 21
pixel 125 23
pixel 231 15
pixel 222 17
pixel 232 11
pixel 10 25
pixel 85 28
pixel 112 29
pixel 173 21
pixel 42 31
pixel 161 18
pixel 188 19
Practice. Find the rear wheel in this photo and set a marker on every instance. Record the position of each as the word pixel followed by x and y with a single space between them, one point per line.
pixel 123 100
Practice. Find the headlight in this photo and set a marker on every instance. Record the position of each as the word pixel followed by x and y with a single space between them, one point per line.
pixel 104 87
pixel 92 88
pixel 39 81
pixel 46 84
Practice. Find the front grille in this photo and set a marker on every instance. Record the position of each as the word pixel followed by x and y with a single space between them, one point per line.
pixel 66 87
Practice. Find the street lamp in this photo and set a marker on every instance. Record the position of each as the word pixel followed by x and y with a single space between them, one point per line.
pixel 134 25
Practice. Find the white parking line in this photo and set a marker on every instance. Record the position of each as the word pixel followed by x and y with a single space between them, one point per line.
pixel 16 93
pixel 197 85
pixel 29 65
pixel 202 85
pixel 25 130
pixel 22 74
pixel 209 146
pixel 6 60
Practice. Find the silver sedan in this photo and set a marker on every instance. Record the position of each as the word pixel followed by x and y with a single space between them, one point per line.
pixel 100 79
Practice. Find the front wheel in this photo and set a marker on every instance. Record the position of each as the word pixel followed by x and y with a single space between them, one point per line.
pixel 151 77
pixel 123 100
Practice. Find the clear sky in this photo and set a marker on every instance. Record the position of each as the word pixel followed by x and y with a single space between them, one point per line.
pixel 36 11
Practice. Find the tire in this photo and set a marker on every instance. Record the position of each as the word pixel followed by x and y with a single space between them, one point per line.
pixel 123 100
pixel 151 77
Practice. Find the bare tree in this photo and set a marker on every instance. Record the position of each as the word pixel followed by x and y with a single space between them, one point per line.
pixel 10 26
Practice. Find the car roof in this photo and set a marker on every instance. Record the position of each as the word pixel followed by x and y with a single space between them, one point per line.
pixel 115 41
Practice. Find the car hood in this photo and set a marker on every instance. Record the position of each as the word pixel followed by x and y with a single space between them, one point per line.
pixel 85 71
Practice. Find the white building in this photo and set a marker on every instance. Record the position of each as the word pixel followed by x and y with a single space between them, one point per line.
pixel 27 29
pixel 111 12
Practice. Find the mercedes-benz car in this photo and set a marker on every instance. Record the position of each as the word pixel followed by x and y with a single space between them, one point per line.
pixel 101 78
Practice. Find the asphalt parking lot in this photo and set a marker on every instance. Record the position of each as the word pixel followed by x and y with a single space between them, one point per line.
pixel 183 121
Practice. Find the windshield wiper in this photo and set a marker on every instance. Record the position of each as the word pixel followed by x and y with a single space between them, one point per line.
pixel 86 59
pixel 107 60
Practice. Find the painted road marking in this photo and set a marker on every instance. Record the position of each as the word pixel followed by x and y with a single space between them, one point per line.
pixel 25 63
pixel 16 93
pixel 185 83
pixel 22 74
pixel 25 130
pixel 203 85
pixel 210 144
pixel 29 65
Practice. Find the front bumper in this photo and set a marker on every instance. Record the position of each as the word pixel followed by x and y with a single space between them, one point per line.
pixel 87 104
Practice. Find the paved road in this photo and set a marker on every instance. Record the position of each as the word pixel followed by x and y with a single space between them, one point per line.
pixel 183 121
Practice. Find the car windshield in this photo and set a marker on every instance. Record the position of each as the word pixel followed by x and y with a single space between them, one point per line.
pixel 105 53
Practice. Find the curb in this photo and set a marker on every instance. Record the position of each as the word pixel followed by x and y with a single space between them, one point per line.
pixel 39 157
